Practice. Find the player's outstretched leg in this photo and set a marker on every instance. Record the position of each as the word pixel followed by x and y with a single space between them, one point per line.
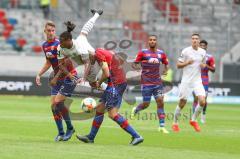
pixel 87 27
pixel 100 12
pixel 138 108
pixel 97 121
pixel 123 123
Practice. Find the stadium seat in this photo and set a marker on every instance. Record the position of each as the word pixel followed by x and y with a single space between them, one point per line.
pixel 37 49
pixel 12 21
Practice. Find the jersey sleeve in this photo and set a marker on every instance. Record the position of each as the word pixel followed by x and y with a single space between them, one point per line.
pixel 182 57
pixel 164 59
pixel 212 62
pixel 139 57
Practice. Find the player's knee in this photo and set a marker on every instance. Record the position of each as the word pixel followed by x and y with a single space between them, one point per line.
pixel 202 102
pixel 182 103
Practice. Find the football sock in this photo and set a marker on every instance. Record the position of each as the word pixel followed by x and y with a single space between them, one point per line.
pixel 161 116
pixel 97 121
pixel 65 114
pixel 58 120
pixel 194 106
pixel 176 114
pixel 89 24
pixel 124 125
pixel 198 110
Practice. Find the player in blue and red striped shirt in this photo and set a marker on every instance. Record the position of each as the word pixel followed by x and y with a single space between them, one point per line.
pixel 62 84
pixel 112 96
pixel 210 66
pixel 151 82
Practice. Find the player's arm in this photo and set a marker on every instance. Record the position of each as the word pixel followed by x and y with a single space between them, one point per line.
pixel 137 61
pixel 211 65
pixel 165 64
pixel 44 69
pixel 105 72
pixel 183 62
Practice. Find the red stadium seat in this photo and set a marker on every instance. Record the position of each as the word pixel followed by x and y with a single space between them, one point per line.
pixel 8 27
pixel 21 42
pixel 6 33
pixel 2 13
pixel 37 49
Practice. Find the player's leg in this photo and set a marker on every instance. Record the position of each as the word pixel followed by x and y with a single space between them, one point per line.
pixel 58 120
pixel 56 113
pixel 203 115
pixel 184 92
pixel 195 102
pixel 113 108
pixel 200 92
pixel 65 91
pixel 159 98
pixel 146 95
pixel 123 123
pixel 87 27
pixel 97 121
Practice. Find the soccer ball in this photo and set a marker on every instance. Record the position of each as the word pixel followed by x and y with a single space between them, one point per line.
pixel 88 105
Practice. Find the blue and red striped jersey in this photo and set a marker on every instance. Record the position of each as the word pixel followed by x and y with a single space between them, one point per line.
pixel 50 49
pixel 204 71
pixel 150 62
pixel 117 74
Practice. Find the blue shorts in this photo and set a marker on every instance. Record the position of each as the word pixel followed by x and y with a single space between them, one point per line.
pixel 112 96
pixel 64 87
pixel 149 91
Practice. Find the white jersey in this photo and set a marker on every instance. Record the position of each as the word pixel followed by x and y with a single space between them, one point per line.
pixel 192 72
pixel 80 47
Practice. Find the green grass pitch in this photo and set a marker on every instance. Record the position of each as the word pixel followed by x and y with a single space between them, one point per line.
pixel 28 130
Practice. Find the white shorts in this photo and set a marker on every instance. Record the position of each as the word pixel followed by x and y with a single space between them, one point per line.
pixel 84 47
pixel 186 89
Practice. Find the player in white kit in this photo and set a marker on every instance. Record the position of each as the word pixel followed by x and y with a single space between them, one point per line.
pixel 78 49
pixel 191 60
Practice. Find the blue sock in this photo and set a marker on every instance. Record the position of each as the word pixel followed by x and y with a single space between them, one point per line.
pixel 124 125
pixel 161 116
pixel 97 121
pixel 65 114
pixel 58 120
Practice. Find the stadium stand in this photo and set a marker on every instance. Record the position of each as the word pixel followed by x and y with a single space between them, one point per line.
pixel 216 20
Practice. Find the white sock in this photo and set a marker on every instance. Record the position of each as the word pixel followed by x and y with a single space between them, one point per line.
pixel 176 114
pixel 89 24
pixel 198 110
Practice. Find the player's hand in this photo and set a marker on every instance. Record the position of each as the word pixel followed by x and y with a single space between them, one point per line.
pixel 165 72
pixel 38 80
pixel 80 80
pixel 136 66
pixel 189 62
pixel 53 82
pixel 203 65
pixel 96 85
